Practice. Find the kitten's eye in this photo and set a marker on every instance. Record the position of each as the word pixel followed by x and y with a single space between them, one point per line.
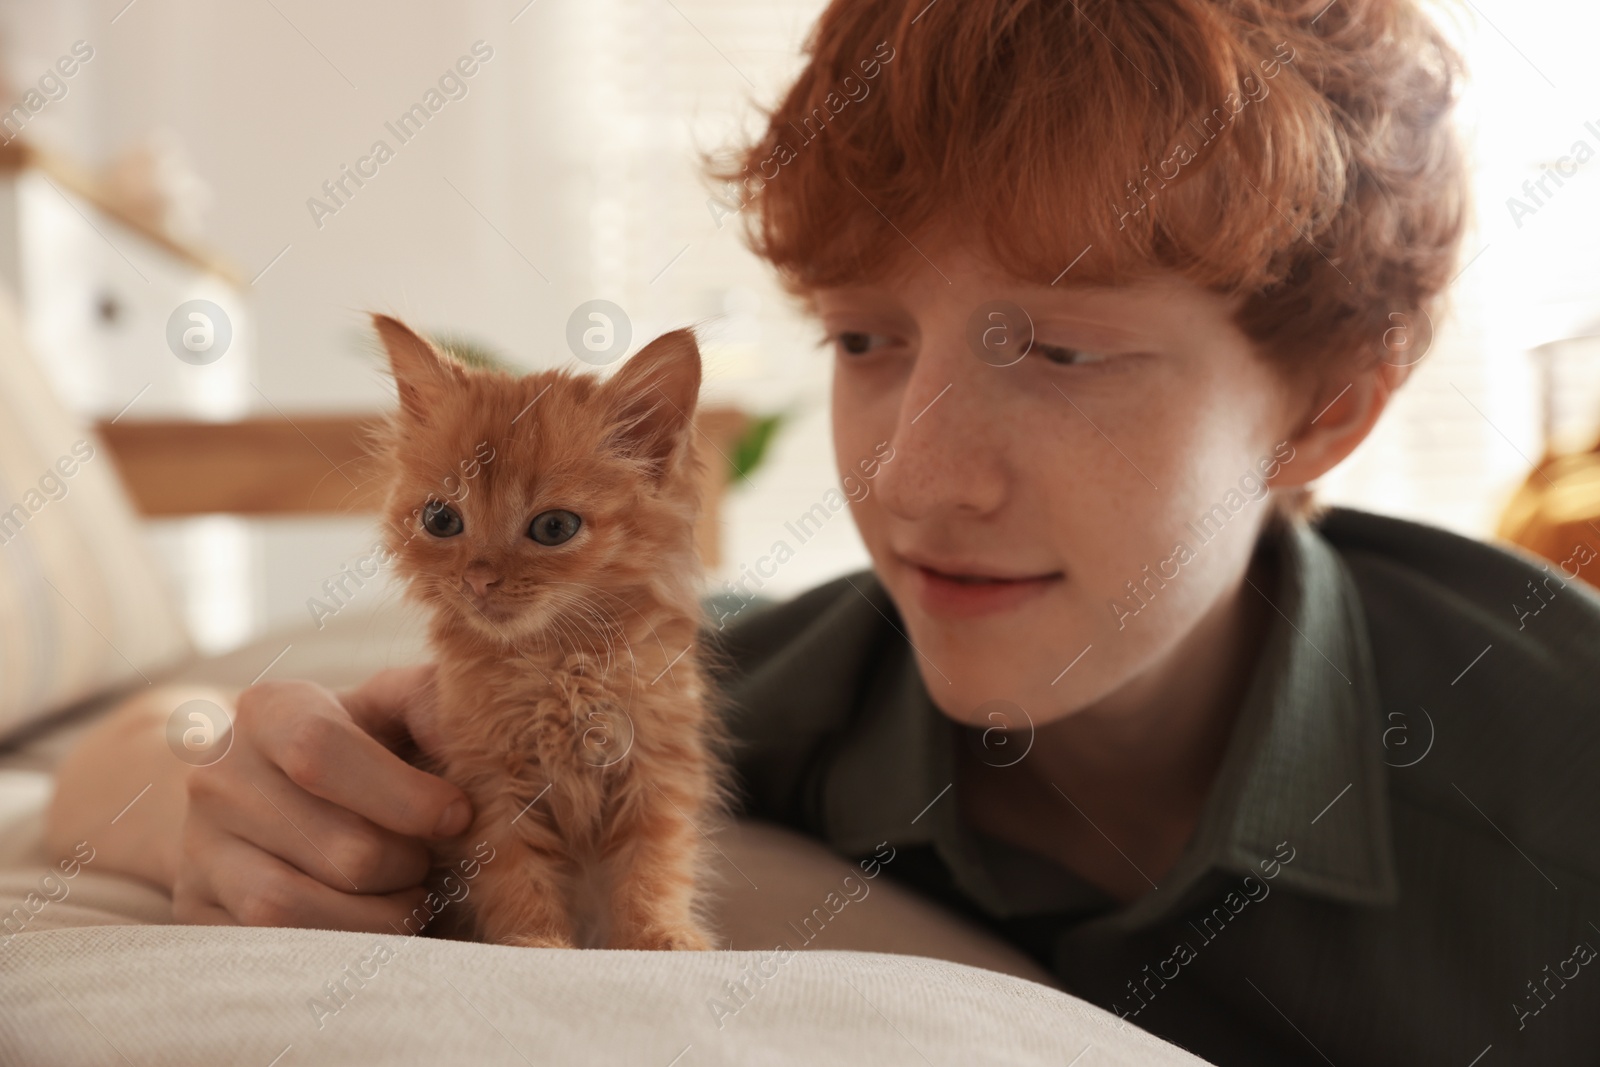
pixel 441 520
pixel 554 527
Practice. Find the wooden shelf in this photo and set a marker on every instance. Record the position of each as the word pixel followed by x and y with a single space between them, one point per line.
pixel 18 155
pixel 319 464
pixel 315 465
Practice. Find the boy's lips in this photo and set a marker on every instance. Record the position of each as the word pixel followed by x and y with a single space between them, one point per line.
pixel 959 589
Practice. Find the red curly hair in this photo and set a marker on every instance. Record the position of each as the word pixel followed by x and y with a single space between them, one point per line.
pixel 1300 155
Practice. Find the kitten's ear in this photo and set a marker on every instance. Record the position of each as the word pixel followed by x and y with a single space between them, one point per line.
pixel 421 373
pixel 654 395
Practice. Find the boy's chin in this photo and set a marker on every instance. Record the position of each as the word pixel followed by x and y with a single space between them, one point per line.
pixel 961 679
pixel 971 679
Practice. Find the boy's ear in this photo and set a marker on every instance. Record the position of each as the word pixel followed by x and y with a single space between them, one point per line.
pixel 422 374
pixel 1342 412
pixel 654 397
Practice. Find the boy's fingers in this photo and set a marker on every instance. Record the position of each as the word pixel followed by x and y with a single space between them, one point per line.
pixel 205 915
pixel 385 704
pixel 331 843
pixel 261 890
pixel 334 759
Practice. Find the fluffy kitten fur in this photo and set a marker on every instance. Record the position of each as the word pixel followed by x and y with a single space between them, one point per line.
pixel 573 703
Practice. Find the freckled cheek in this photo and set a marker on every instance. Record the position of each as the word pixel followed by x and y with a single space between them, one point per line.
pixel 865 501
pixel 1107 484
pixel 1082 507
pixel 867 514
pixel 863 414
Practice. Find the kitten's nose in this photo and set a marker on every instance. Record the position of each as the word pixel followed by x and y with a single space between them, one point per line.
pixel 481 577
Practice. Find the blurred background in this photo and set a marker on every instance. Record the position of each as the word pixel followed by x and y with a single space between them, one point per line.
pixel 185 157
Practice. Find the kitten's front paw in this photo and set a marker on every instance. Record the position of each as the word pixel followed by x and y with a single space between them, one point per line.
pixel 537 941
pixel 675 939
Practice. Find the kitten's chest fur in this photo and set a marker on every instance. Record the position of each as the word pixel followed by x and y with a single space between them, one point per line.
pixel 550 747
pixel 558 741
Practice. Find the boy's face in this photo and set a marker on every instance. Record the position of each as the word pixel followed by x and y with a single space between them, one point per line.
pixel 1141 419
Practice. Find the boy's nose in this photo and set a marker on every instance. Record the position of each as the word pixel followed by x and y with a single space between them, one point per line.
pixel 948 451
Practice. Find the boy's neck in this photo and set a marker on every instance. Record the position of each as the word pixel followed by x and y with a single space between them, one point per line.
pixel 1164 733
pixel 1139 764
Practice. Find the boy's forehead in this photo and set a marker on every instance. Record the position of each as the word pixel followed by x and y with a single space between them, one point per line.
pixel 961 279
pixel 946 253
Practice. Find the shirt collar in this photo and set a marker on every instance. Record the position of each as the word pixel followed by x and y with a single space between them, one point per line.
pixel 1303 764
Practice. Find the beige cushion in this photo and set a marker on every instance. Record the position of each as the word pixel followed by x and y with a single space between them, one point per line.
pixel 775 887
pixel 97 973
pixel 83 607
pixel 197 995
pixel 92 971
pixel 769 887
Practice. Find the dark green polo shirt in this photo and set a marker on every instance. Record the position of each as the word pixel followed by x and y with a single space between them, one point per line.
pixel 1397 864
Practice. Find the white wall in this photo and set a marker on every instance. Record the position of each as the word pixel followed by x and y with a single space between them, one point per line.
pixel 563 175
pixel 570 159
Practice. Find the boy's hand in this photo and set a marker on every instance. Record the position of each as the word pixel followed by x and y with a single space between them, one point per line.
pixel 311 819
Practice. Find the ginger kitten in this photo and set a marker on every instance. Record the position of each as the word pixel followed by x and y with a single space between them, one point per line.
pixel 547 523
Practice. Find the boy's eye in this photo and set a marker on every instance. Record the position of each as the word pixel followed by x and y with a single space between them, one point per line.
pixel 441 520
pixel 857 342
pixel 1071 357
pixel 554 527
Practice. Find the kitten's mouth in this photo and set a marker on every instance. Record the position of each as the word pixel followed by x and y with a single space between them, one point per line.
pixel 488 609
